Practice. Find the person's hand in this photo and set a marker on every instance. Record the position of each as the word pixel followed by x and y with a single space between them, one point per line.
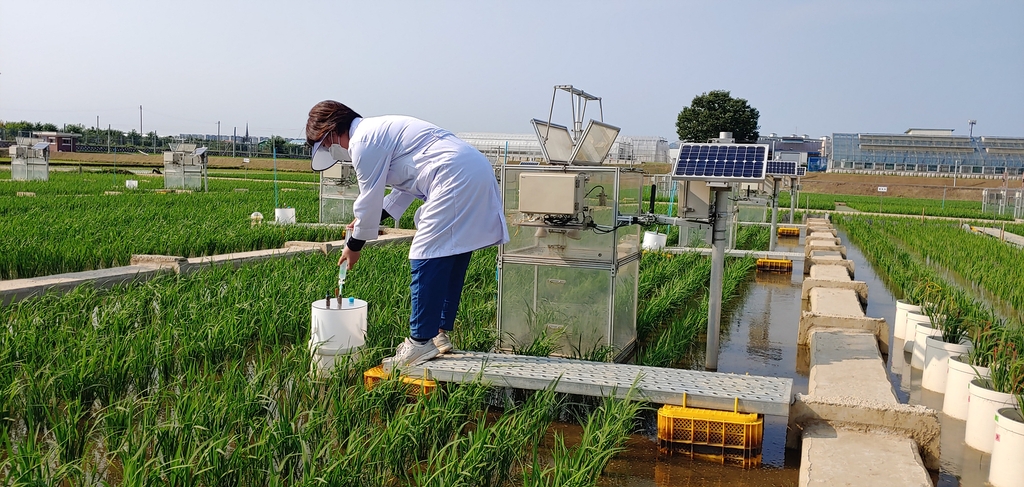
pixel 350 256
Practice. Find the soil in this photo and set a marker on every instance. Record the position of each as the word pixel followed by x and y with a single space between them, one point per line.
pixel 900 186
pixel 157 160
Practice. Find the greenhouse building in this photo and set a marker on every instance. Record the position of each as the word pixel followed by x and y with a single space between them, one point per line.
pixel 927 152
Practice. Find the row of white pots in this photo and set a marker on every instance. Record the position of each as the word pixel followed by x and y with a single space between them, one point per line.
pixel 993 423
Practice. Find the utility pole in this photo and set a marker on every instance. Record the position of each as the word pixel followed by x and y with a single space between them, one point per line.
pixel 234 136
pixel 140 120
pixel 218 132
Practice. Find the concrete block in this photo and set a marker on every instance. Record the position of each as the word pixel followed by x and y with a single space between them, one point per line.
pixel 821 234
pixel 825 260
pixel 848 363
pixel 838 302
pixel 825 240
pixel 811 321
pixel 828 246
pixel 323 247
pixel 839 457
pixel 830 272
pixel 14 290
pixel 238 258
pixel 859 287
pixel 172 262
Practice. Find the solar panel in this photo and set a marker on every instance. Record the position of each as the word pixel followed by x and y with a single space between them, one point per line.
pixel 721 162
pixel 781 168
pixel 801 171
pixel 41 145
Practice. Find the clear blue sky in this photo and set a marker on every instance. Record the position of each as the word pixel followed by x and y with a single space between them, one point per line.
pixel 809 67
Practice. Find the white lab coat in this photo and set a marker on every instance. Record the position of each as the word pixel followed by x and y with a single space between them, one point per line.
pixel 462 208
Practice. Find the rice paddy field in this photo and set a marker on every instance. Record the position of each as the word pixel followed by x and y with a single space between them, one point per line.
pixel 205 378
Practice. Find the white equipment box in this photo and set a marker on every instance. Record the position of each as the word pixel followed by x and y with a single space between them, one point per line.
pixel 551 193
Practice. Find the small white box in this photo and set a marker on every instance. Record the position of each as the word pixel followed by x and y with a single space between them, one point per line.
pixel 551 193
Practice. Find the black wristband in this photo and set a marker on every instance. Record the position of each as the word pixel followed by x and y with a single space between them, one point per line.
pixel 354 244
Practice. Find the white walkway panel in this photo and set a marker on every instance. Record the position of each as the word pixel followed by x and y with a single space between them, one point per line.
pixel 710 390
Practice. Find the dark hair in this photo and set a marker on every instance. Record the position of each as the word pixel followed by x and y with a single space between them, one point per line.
pixel 326 117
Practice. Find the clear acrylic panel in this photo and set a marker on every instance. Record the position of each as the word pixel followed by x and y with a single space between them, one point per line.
pixel 529 237
pixel 624 320
pixel 565 307
pixel 555 141
pixel 593 147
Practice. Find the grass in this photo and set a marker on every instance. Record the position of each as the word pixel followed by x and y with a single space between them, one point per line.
pixel 204 380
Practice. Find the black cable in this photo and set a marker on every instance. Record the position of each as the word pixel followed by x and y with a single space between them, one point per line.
pixel 592 190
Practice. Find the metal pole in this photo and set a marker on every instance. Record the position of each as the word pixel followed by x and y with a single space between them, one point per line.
pixel 774 237
pixel 718 236
pixel 275 170
pixel 140 120
pixel 792 200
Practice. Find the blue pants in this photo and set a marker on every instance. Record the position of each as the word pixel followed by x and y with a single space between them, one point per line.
pixel 436 291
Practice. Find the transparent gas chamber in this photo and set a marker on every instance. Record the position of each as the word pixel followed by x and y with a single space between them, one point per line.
pixel 571 285
pixel 338 192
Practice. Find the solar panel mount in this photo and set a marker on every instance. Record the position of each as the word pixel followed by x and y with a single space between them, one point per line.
pixel 721 162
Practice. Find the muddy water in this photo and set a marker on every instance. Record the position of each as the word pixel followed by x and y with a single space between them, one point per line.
pixel 760 339
pixel 960 464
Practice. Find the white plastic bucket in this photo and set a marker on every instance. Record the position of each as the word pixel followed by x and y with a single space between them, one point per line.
pixel 131 183
pixel 1007 466
pixel 900 322
pixel 913 320
pixel 981 412
pixel 923 332
pixel 936 357
pixel 284 216
pixel 337 330
pixel 959 374
pixel 654 241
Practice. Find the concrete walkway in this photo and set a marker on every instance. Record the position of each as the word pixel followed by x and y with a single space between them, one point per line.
pixel 146 267
pixel 850 427
pixel 660 385
pixel 1011 238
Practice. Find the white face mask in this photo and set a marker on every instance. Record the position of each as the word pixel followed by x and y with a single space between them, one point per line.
pixel 339 153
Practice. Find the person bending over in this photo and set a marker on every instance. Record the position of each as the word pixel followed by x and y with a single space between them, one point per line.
pixel 461 210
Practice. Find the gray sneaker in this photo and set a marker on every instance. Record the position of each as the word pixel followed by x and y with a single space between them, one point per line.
pixel 443 344
pixel 410 353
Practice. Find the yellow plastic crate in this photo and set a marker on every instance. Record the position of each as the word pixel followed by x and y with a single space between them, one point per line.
pixel 423 386
pixel 731 438
pixel 788 232
pixel 775 265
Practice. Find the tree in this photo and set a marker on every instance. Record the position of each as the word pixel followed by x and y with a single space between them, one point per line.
pixel 714 112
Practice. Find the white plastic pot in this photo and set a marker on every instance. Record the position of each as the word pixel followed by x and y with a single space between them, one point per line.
pixel 900 322
pixel 284 216
pixel 336 330
pixel 936 356
pixel 983 403
pixel 654 241
pixel 1007 466
pixel 914 319
pixel 959 374
pixel 923 332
